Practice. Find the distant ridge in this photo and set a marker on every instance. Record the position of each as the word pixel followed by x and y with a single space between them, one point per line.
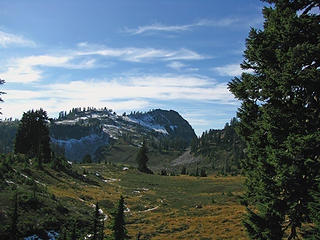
pixel 82 132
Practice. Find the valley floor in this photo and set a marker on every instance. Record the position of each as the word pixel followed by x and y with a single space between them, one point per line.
pixel 157 207
pixel 170 207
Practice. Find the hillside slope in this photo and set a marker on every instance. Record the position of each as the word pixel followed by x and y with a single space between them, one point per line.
pixel 220 149
pixel 83 132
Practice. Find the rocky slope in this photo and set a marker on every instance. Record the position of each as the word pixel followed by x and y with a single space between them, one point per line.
pixel 83 132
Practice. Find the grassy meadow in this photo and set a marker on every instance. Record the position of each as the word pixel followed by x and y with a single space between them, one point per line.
pixel 158 207
pixel 165 207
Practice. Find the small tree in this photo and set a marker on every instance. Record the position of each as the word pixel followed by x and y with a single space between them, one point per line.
pixel 197 172
pixel 203 173
pixel 87 159
pixel 142 159
pixel 97 223
pixel 163 172
pixel 14 219
pixel 118 227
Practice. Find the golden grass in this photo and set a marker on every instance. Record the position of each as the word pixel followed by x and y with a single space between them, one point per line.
pixel 220 219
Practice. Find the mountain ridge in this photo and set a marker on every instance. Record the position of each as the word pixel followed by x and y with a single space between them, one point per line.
pixel 85 131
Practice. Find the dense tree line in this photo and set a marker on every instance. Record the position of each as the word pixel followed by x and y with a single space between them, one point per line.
pixel 280 119
pixel 78 112
pixel 223 147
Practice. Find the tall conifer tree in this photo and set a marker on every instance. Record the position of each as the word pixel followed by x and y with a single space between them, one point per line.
pixel 280 118
pixel 32 136
pixel 142 159
pixel 14 219
pixel 118 227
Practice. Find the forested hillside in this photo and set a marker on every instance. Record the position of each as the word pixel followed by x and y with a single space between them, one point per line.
pixel 222 148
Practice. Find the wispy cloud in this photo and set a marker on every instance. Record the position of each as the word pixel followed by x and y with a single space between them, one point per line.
pixel 176 65
pixel 179 66
pixel 9 39
pixel 140 54
pixel 26 69
pixel 157 27
pixel 230 70
pixel 15 108
pixel 136 93
pixel 146 87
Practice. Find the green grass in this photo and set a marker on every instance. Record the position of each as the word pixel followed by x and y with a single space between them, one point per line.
pixel 161 207
pixel 124 153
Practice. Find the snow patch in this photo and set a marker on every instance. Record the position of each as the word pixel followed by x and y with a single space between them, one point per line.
pixel 147 121
pixel 127 210
pixel 67 122
pixel 9 182
pixel 173 127
pixel 40 183
pixel 110 180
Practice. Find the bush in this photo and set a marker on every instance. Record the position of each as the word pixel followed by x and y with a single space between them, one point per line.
pixel 163 172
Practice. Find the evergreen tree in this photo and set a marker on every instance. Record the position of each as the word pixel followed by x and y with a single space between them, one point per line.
pixel 14 219
pixel 142 159
pixel 98 223
pixel 139 236
pixel 74 232
pixel 197 172
pixel 203 173
pixel 314 234
pixel 280 118
pixel 118 227
pixel 183 170
pixel 32 137
pixel 87 159
pixel 163 172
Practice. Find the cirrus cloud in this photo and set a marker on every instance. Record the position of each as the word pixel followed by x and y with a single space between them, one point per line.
pixel 9 39
pixel 136 92
pixel 157 27
pixel 230 70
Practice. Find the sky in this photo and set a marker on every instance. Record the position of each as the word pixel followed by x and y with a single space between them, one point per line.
pixel 125 55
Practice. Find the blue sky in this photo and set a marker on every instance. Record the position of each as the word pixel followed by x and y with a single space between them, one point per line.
pixel 125 55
